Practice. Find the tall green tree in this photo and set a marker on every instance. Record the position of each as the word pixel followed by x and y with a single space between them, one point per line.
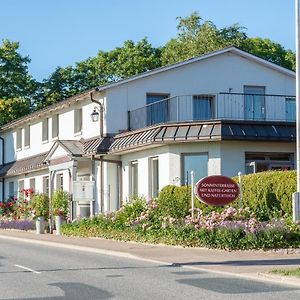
pixel 17 87
pixel 196 37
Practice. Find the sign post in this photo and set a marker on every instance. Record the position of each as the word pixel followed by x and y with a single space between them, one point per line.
pixel 241 189
pixel 192 191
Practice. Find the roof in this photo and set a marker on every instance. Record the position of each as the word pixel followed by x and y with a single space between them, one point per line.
pixel 204 131
pixel 230 49
pixel 25 165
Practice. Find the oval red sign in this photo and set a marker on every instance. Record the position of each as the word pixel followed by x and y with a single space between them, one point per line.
pixel 216 190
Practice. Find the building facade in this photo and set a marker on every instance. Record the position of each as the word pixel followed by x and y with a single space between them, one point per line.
pixel 220 113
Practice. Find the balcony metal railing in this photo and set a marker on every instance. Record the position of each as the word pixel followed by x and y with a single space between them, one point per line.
pixel 224 106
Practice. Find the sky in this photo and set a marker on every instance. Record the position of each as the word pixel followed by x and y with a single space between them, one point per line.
pixel 61 32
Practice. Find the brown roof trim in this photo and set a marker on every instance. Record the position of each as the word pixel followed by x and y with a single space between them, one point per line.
pixel 216 130
pixel 23 166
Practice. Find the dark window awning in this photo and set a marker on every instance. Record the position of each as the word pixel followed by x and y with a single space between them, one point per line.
pixel 205 131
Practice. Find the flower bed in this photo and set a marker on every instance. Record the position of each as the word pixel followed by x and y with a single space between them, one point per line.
pixel 227 229
pixel 17 224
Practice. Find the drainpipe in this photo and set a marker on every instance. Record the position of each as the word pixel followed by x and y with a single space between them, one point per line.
pixel 101 109
pixel 2 163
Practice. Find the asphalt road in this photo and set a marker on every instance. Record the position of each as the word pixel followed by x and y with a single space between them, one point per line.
pixel 30 271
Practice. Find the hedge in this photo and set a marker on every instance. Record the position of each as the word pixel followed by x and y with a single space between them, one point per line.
pixel 269 193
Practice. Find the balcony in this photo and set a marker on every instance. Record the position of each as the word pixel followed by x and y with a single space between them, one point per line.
pixel 221 106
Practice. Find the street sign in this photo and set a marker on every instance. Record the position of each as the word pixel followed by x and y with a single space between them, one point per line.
pixel 216 190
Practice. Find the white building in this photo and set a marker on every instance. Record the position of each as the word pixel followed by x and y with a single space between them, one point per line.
pixel 220 113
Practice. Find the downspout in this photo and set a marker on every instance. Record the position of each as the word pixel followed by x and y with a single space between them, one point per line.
pixel 101 109
pixel 2 163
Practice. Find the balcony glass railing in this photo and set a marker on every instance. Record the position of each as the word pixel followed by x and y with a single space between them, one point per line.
pixel 226 106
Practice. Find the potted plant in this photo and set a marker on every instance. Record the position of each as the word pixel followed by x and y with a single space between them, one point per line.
pixel 39 205
pixel 60 207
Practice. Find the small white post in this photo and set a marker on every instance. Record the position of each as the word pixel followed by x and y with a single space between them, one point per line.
pixel 241 189
pixel 296 206
pixel 192 191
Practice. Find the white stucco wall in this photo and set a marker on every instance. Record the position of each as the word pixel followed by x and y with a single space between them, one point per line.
pixel 233 154
pixel 210 76
pixel 170 164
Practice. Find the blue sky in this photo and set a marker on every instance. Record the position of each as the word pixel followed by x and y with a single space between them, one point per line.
pixel 61 32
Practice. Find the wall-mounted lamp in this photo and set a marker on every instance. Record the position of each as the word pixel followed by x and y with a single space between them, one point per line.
pixel 95 114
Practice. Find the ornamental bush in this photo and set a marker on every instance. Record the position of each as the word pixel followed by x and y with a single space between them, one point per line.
pixel 40 205
pixel 269 194
pixel 60 203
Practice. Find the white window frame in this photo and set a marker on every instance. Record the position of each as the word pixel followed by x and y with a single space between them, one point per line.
pixel 60 181
pixel 46 185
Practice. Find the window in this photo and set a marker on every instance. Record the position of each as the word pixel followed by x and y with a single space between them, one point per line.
pixel 45 130
pixel 77 120
pixel 134 178
pixel 21 188
pixel 27 136
pixel 290 109
pixel 157 108
pixel 202 107
pixel 59 181
pixel 55 126
pixel 19 138
pixel 259 162
pixel 197 162
pixel 46 185
pixel 154 177
pixel 254 102
pixel 32 184
pixel 11 189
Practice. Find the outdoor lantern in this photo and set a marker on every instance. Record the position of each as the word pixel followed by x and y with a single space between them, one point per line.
pixel 95 115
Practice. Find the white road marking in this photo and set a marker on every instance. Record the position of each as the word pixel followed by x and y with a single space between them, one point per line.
pixel 28 269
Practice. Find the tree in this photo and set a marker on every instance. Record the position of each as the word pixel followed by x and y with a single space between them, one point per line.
pixel 271 51
pixel 13 108
pixel 196 37
pixel 15 80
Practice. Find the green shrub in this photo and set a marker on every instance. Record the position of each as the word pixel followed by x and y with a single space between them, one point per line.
pixel 39 205
pixel 174 201
pixel 269 194
pixel 60 203
pixel 130 211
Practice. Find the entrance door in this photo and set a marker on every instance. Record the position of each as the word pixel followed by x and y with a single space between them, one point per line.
pixel 254 102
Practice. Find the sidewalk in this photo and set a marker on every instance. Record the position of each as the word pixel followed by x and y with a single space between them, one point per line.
pixel 248 264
